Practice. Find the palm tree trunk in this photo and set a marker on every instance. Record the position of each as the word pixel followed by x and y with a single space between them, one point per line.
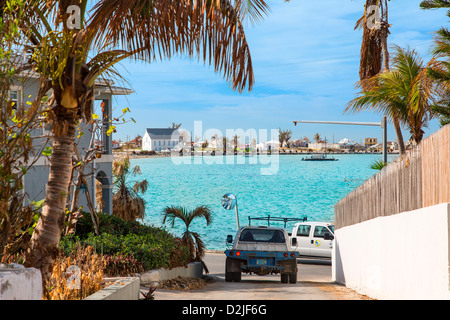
pixel 398 132
pixel 45 239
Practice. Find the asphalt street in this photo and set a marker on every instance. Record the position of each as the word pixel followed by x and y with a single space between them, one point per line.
pixel 314 283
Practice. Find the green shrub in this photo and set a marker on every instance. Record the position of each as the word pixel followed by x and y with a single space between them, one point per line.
pixel 150 246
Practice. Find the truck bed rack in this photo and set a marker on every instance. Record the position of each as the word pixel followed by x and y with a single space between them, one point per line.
pixel 269 218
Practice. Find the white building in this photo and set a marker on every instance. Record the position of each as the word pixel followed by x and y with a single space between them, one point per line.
pixel 159 139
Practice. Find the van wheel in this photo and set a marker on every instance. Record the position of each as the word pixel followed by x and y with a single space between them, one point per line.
pixel 293 277
pixel 284 278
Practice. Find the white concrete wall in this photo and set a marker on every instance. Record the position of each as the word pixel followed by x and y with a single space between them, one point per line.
pixel 404 256
pixel 124 288
pixel 19 283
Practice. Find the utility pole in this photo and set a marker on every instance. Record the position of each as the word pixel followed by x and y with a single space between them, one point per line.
pixel 382 124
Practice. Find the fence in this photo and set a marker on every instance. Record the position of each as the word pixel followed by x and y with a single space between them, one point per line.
pixel 419 179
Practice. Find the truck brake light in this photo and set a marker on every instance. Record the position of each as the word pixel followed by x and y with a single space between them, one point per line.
pixel 238 253
pixel 285 254
pixel 292 254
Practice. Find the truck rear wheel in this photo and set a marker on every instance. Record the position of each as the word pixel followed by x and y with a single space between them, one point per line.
pixel 293 277
pixel 237 276
pixel 231 275
pixel 284 277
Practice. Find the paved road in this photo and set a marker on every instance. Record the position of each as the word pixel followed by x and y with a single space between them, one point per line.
pixel 314 283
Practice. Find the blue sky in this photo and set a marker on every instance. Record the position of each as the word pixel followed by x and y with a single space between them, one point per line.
pixel 305 57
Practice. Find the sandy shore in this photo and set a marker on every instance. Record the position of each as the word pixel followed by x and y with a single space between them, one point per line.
pixel 137 155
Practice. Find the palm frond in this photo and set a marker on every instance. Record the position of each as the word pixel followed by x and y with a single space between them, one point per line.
pixel 405 92
pixel 253 10
pixel 211 30
pixel 171 213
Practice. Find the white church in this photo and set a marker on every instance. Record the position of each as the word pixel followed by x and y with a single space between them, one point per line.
pixel 161 139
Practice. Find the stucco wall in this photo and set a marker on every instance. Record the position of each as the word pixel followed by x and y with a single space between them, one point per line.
pixel 404 256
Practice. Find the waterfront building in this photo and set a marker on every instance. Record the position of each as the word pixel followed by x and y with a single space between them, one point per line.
pixel 160 139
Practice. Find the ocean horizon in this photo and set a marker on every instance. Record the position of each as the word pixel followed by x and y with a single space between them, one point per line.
pixel 281 186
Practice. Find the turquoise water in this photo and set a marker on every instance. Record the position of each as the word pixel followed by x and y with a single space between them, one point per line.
pixel 295 189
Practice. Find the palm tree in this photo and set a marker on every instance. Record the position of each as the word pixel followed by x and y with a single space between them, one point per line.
pixel 127 203
pixel 405 93
pixel 235 141
pixel 374 49
pixel 439 71
pixel 224 145
pixel 192 240
pixel 317 137
pixel 72 56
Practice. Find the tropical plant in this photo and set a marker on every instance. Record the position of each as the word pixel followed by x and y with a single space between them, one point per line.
pixel 127 202
pixel 284 136
pixel 224 144
pixel 317 137
pixel 378 165
pixel 405 93
pixel 72 46
pixel 149 247
pixel 192 240
pixel 235 142
pixel 439 72
pixel 374 50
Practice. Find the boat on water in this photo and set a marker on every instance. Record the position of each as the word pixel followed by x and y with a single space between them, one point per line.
pixel 319 157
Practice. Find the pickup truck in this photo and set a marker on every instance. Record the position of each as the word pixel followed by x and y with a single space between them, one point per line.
pixel 260 250
pixel 314 239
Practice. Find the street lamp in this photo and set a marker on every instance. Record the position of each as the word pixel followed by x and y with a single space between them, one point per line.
pixel 382 124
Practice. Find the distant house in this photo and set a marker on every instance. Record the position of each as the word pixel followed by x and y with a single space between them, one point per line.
pixel 136 142
pixel 370 142
pixel 160 139
pixel 115 144
pixel 299 143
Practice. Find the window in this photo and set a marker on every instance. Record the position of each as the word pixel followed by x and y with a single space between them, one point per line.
pixel 303 231
pixel 262 235
pixel 15 98
pixel 319 231
pixel 154 143
pixel 160 144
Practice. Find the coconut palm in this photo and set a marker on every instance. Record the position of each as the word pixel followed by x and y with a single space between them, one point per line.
pixel 405 93
pixel 127 202
pixel 374 50
pixel 72 46
pixel 192 240
pixel 235 141
pixel 439 72
pixel 317 137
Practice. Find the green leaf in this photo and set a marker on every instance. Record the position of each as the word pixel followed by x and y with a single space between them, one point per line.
pixel 47 152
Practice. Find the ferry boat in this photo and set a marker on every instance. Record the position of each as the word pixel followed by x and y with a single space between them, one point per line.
pixel 319 157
